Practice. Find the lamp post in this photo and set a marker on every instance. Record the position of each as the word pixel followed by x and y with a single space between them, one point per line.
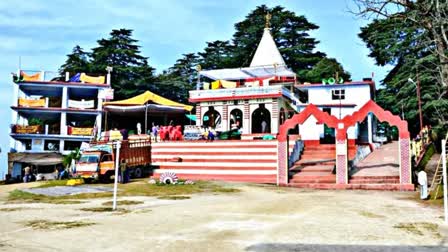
pixel 419 101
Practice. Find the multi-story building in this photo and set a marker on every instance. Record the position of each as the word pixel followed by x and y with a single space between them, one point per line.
pixel 50 115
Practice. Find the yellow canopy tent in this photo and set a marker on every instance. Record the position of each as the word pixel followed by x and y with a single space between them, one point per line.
pixel 148 97
pixel 145 102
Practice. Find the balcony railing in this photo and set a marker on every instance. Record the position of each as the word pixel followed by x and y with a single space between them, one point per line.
pixel 49 76
pixel 47 129
pixel 235 92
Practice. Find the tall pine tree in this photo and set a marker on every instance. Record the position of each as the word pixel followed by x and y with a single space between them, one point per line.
pixel 403 44
pixel 131 71
pixel 77 62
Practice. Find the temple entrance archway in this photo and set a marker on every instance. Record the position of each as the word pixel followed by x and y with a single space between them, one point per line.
pixel 211 118
pixel 341 126
pixel 404 156
pixel 261 120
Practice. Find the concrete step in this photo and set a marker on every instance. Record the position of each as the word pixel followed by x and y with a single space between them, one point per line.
pixel 375 181
pixel 313 178
pixel 321 147
pixel 323 186
pixel 374 177
pixel 320 161
pixel 381 187
pixel 316 168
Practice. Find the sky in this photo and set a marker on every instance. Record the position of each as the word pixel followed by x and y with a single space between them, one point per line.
pixel 43 32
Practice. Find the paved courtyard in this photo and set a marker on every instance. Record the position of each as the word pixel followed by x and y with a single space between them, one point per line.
pixel 259 218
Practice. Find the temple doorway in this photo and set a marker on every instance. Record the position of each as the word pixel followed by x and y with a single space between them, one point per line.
pixel 261 120
pixel 212 118
pixel 236 118
pixel 329 134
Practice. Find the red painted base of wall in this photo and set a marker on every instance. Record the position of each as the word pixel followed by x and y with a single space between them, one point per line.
pixel 269 179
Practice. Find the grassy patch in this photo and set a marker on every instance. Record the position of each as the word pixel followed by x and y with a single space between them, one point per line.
pixel 142 188
pixel 431 201
pixel 105 209
pixel 18 196
pixel 52 183
pixel 56 225
pixel 123 202
pixel 225 190
pixel 136 188
pixel 428 154
pixel 418 228
pixel 13 209
pixel 370 215
pixel 174 197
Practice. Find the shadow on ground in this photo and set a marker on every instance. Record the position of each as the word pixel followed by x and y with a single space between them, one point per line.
pixel 297 247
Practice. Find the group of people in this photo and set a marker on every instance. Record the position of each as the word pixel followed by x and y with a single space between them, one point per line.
pixel 163 133
pixel 208 133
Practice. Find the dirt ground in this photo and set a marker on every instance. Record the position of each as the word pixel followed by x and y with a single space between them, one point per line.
pixel 259 218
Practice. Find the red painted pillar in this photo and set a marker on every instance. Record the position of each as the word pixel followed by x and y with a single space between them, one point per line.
pixel 405 161
pixel 282 163
pixel 341 161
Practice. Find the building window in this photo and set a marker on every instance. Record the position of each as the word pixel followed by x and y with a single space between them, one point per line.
pixel 338 94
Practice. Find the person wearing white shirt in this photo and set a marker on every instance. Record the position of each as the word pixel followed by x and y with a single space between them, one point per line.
pixel 423 181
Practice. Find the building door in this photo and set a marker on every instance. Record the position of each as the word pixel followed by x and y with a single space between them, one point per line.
pixel 329 136
pixel 261 120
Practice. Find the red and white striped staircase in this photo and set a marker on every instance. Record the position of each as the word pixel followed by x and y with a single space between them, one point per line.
pixel 244 160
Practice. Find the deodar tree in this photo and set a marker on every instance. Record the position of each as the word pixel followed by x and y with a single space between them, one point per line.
pixel 412 37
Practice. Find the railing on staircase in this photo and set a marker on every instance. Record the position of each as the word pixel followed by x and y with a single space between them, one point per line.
pixel 437 180
pixel 296 153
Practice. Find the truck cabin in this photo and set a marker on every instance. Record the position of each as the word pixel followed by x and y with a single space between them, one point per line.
pixel 95 157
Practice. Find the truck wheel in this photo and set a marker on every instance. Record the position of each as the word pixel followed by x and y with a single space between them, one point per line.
pixel 138 173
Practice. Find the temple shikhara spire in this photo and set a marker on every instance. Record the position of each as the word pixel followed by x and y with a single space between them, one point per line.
pixel 267 53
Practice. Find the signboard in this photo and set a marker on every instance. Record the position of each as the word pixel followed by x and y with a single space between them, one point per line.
pixel 27 129
pixel 83 104
pixel 106 94
pixel 80 131
pixel 31 102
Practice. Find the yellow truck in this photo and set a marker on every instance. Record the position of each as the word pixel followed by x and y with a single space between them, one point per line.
pixel 98 161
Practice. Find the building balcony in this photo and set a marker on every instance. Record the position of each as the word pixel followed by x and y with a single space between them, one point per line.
pixel 236 93
pixel 51 78
pixel 38 110
pixel 22 136
pixel 51 131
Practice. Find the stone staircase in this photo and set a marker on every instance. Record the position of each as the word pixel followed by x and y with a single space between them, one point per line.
pixel 315 168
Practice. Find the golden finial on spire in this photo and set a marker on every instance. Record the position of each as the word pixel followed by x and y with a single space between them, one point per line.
pixel 268 20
